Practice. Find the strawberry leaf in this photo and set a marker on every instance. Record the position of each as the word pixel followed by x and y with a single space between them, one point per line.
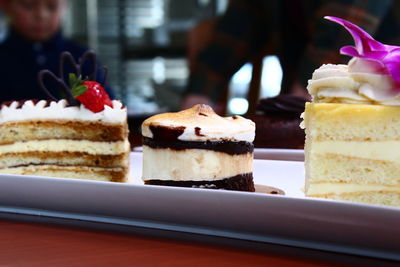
pixel 72 80
pixel 79 90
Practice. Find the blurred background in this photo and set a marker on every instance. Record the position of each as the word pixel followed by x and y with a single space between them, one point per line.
pixel 144 45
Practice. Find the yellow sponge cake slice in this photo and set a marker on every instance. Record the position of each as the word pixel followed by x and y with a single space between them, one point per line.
pixel 353 125
pixel 353 152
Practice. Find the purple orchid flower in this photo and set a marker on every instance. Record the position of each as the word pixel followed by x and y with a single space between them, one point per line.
pixel 385 57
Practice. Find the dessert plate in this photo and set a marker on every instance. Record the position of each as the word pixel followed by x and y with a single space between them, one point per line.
pixel 279 154
pixel 288 220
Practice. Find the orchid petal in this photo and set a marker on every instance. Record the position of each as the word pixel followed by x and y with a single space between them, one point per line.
pixel 367 48
pixel 349 51
pixel 377 55
pixel 363 41
pixel 392 63
pixel 393 49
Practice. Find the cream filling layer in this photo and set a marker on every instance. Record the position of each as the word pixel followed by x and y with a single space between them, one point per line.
pixel 193 164
pixel 60 145
pixel 378 150
pixel 81 172
pixel 343 188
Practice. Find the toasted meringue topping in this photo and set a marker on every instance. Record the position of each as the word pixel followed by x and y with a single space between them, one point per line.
pixel 201 123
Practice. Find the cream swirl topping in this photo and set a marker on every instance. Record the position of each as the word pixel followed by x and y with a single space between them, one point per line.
pixel 358 82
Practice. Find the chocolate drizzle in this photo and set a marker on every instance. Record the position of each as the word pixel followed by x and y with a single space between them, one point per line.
pixel 166 133
pixel 66 57
pixel 197 131
pixel 283 105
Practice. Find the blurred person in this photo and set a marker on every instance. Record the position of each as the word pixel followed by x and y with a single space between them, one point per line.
pixel 35 42
pixel 294 30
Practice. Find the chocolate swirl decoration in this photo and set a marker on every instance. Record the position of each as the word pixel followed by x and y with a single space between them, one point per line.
pixel 77 66
pixel 283 105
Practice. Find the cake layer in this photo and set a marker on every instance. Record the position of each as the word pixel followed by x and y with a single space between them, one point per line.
pixel 193 164
pixel 351 122
pixel 376 150
pixel 74 172
pixel 389 198
pixel 242 182
pixel 326 188
pixel 106 148
pixel 339 168
pixel 225 146
pixel 278 132
pixel 63 158
pixel 61 129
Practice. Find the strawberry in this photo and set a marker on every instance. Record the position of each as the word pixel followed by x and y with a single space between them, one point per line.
pixel 90 93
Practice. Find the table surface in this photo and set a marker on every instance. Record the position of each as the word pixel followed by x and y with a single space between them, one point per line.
pixel 24 243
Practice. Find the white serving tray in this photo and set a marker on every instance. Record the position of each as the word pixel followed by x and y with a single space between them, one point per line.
pixel 292 219
pixel 279 154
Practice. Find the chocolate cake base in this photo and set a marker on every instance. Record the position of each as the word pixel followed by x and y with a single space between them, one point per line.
pixel 241 182
pixel 277 132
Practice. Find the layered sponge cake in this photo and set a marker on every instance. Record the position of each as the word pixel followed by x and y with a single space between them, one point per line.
pixel 198 148
pixel 52 138
pixel 353 152
pixel 353 126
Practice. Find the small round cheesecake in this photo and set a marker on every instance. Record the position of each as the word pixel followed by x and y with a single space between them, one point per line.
pixel 198 148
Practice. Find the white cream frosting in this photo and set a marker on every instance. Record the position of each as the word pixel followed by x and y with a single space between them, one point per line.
pixel 212 126
pixel 60 110
pixel 357 82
